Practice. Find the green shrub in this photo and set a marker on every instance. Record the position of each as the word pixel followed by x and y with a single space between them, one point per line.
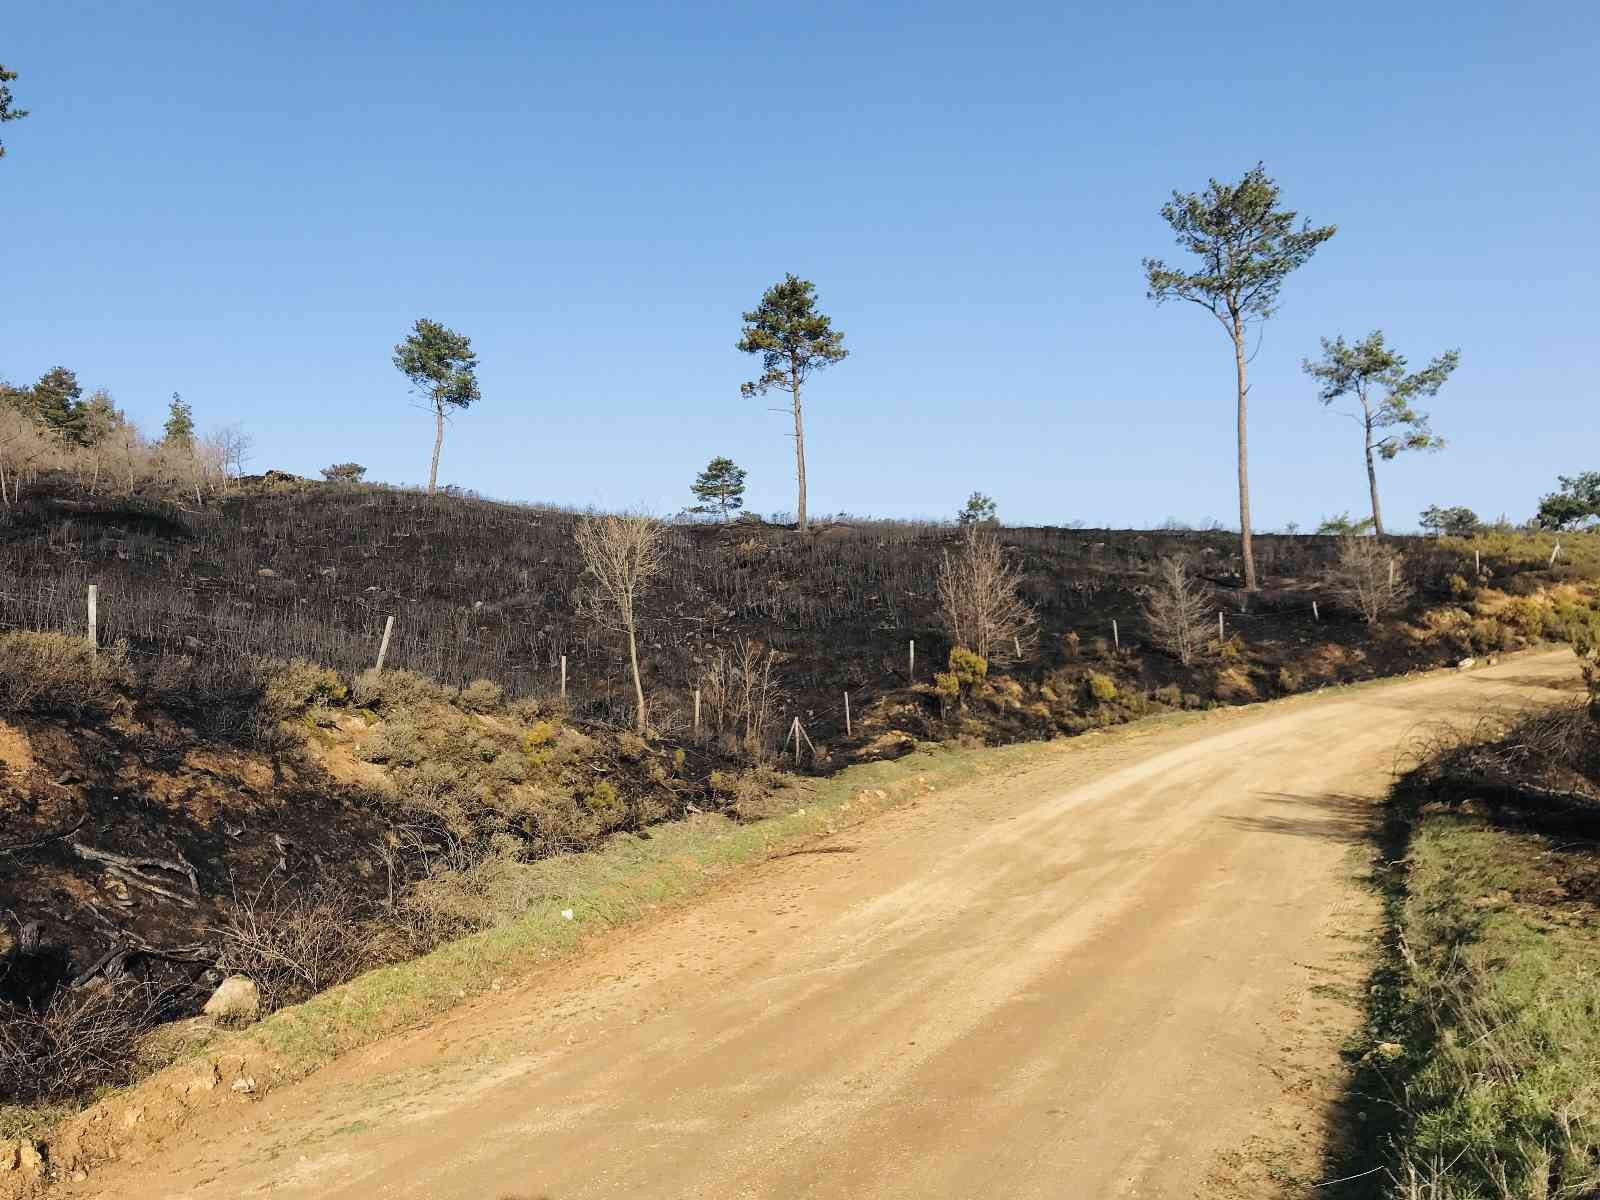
pixel 297 685
pixel 967 667
pixel 53 673
pixel 1487 634
pixel 538 743
pixel 396 742
pixel 1169 695
pixel 1581 627
pixel 396 689
pixel 1288 680
pixel 1102 689
pixel 604 807
pixel 481 696
pixel 509 768
pixel 947 685
pixel 1526 615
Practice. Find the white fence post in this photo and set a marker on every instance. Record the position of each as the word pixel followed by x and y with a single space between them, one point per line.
pixel 847 730
pixel 564 681
pixel 911 660
pixel 94 617
pixel 1116 637
pixel 383 647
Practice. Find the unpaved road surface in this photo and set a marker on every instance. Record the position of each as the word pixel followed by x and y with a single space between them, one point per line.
pixel 1081 979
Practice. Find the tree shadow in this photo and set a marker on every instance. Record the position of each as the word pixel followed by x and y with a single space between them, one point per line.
pixel 816 850
pixel 1330 817
pixel 1560 683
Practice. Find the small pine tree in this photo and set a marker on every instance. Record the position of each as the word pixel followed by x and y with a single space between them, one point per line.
pixel 1343 525
pixel 1450 522
pixel 179 429
pixel 347 472
pixel 8 109
pixel 980 510
pixel 719 488
pixel 57 400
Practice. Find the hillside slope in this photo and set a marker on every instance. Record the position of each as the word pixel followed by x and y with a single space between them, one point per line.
pixel 290 568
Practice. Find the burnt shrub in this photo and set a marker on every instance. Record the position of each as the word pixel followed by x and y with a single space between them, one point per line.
pixel 79 1040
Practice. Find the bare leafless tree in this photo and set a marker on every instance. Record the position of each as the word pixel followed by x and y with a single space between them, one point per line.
pixel 1178 609
pixel 622 556
pixel 233 447
pixel 1368 577
pixel 979 601
pixel 742 692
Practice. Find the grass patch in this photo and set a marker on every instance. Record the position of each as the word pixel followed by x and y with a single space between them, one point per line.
pixel 1481 1077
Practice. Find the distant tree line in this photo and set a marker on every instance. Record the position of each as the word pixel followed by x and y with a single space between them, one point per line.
pixel 51 425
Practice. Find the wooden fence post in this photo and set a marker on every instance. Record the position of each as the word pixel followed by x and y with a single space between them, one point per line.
pixel 564 680
pixel 697 714
pixel 1222 633
pixel 1477 562
pixel 94 618
pixel 847 730
pixel 1116 637
pixel 911 661
pixel 383 647
pixel 797 734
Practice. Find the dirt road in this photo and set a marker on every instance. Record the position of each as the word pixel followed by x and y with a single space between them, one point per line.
pixel 1082 980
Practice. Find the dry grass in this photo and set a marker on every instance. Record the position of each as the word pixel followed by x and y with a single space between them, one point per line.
pixel 60 675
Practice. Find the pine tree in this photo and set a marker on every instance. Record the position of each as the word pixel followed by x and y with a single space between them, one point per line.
pixel 1389 424
pixel 980 510
pixel 179 429
pixel 8 109
pixel 1244 246
pixel 719 488
pixel 793 340
pixel 57 400
pixel 443 371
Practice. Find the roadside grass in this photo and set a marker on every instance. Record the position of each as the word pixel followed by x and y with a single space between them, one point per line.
pixel 1479 1075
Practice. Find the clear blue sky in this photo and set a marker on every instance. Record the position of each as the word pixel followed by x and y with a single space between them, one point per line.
pixel 249 203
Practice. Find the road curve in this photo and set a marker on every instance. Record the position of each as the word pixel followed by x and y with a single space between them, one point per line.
pixel 1066 982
